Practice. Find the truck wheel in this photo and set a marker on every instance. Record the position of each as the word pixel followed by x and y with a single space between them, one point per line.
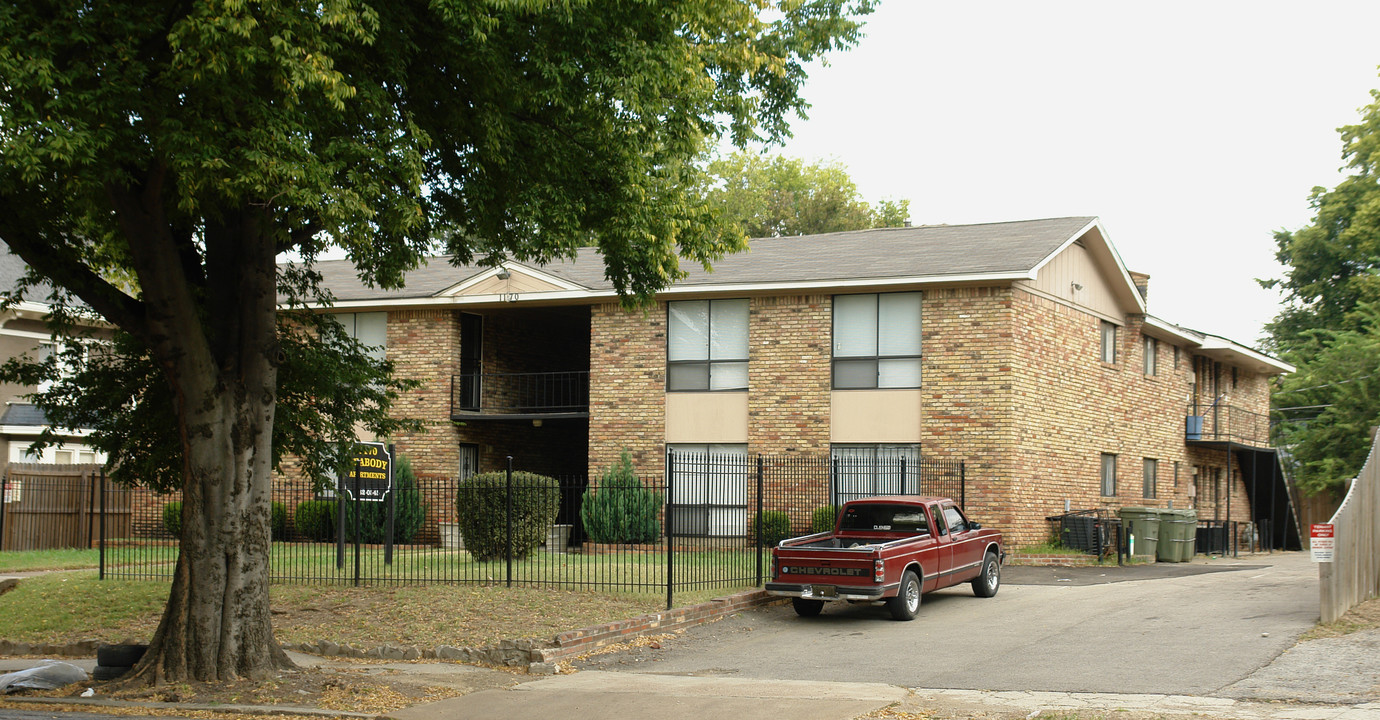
pixel 907 601
pixel 987 582
pixel 807 608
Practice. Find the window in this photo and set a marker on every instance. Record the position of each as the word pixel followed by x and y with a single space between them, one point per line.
pixel 1152 469
pixel 1108 475
pixel 709 489
pixel 955 520
pixel 1108 342
pixel 707 345
pixel 877 341
pixel 1152 346
pixel 867 470
pixel 370 329
pixel 1176 357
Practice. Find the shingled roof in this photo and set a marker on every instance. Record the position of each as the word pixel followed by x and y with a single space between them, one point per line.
pixel 931 252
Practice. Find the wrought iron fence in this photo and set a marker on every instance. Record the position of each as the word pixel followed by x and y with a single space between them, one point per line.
pixel 520 392
pixel 710 524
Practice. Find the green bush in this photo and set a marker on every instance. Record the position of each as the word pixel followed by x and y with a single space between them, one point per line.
pixel 776 526
pixel 409 513
pixel 621 510
pixel 172 518
pixel 824 518
pixel 481 506
pixel 315 520
pixel 278 520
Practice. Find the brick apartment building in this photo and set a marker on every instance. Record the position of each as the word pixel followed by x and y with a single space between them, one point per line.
pixel 1024 349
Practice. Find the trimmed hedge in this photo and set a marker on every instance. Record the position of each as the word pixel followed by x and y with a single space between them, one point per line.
pixel 172 518
pixel 481 506
pixel 621 510
pixel 776 526
pixel 315 520
pixel 824 518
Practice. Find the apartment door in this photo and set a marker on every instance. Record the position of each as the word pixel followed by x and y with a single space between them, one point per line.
pixel 471 360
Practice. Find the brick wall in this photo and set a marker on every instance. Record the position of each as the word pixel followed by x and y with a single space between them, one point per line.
pixel 789 374
pixel 425 345
pixel 627 388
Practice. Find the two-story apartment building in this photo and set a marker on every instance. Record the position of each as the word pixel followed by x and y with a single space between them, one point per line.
pixel 1025 349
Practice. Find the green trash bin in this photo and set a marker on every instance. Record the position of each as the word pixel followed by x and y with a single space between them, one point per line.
pixel 1142 524
pixel 1178 530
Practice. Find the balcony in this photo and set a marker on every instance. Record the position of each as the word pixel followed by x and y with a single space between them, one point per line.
pixel 1222 424
pixel 520 396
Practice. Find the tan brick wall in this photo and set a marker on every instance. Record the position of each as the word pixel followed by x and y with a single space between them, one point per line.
pixel 627 388
pixel 425 345
pixel 789 374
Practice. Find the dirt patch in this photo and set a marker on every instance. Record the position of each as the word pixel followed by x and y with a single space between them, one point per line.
pixel 1365 616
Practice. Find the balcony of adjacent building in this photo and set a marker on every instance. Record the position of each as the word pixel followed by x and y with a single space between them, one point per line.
pixel 534 396
pixel 1222 426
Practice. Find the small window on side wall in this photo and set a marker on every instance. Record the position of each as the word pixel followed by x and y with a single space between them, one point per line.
pixel 1108 342
pixel 1108 475
pixel 1152 348
pixel 1152 471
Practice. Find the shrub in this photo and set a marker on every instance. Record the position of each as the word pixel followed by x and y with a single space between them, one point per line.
pixel 481 506
pixel 621 510
pixel 172 518
pixel 278 520
pixel 409 510
pixel 776 526
pixel 315 520
pixel 824 518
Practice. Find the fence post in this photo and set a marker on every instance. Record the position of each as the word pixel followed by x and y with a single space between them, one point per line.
pixel 392 507
pixel 101 574
pixel 670 546
pixel 962 484
pixel 759 519
pixel 4 493
pixel 355 500
pixel 339 523
pixel 834 485
pixel 508 532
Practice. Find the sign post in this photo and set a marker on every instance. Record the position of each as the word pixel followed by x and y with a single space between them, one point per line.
pixel 1321 542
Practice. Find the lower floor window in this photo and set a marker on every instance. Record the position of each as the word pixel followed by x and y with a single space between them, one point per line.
pixel 861 470
pixel 1108 475
pixel 708 494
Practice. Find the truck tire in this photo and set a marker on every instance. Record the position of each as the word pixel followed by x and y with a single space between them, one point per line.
pixel 120 655
pixel 986 583
pixel 807 608
pixel 907 601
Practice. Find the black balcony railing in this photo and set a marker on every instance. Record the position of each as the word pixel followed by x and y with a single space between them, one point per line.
pixel 1226 423
pixel 520 393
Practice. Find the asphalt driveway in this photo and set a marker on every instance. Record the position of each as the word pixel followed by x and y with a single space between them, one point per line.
pixel 1188 629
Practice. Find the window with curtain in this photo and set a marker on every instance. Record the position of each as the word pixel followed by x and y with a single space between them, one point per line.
pixel 709 493
pixel 1108 475
pixel 1152 471
pixel 707 345
pixel 1108 342
pixel 370 329
pixel 881 469
pixel 877 341
pixel 1152 348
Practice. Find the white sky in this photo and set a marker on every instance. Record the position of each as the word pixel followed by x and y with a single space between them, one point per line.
pixel 1193 129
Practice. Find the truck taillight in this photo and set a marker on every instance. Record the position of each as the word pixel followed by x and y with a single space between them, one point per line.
pixel 878 571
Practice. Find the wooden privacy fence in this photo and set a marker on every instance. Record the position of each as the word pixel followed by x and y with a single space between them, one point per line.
pixel 47 506
pixel 1353 576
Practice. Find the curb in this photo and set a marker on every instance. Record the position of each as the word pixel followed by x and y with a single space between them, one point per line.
pixel 237 709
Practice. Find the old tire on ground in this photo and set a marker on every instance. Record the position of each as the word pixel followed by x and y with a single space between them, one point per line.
pixel 907 601
pixel 986 583
pixel 807 608
pixel 105 672
pixel 125 656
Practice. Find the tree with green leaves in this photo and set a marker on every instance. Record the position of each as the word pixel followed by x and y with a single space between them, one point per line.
pixel 1328 327
pixel 775 196
pixel 156 158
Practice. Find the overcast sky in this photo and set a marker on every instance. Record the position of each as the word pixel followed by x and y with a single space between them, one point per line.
pixel 1194 130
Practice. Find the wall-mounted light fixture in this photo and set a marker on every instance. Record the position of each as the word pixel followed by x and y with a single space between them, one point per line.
pixel 1075 287
pixel 503 273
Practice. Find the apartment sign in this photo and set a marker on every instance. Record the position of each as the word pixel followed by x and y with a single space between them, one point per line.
pixel 1320 542
pixel 371 470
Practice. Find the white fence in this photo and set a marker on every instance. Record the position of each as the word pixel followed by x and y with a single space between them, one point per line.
pixel 1354 574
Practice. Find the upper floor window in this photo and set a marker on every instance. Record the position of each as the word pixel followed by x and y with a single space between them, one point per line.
pixel 877 341
pixel 1108 342
pixel 707 345
pixel 370 329
pixel 1152 347
pixel 1151 476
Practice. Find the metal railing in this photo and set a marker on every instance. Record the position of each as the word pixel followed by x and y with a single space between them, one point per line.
pixel 709 524
pixel 549 392
pixel 1226 423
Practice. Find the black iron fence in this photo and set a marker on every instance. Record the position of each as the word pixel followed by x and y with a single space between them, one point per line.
pixel 708 524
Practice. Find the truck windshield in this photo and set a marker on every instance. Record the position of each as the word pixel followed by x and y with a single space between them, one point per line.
pixel 888 518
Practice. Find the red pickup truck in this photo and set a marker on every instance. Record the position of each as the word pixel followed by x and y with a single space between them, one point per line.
pixel 890 550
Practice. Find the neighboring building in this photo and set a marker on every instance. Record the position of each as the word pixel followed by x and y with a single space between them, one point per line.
pixel 24 330
pixel 1024 349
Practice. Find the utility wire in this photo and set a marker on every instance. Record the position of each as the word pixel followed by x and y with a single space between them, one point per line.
pixel 1327 385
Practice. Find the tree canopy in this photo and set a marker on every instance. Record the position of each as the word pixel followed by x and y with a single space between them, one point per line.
pixel 773 196
pixel 156 158
pixel 1328 327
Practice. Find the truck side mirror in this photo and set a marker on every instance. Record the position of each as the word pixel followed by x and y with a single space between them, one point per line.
pixel 974 526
